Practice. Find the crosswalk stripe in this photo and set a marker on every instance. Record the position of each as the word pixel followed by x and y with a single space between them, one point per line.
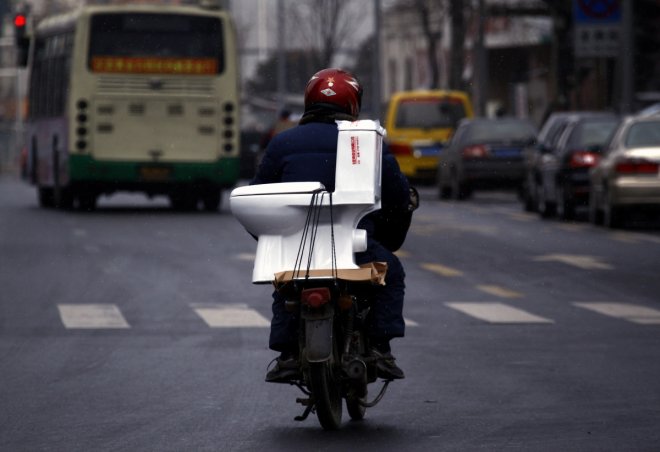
pixel 497 313
pixel 91 316
pixel 409 322
pixel 230 316
pixel 108 316
pixel 630 312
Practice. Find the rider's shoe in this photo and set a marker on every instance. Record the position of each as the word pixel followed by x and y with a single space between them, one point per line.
pixel 285 370
pixel 385 365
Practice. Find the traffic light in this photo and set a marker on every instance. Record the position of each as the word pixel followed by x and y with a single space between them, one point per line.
pixel 21 38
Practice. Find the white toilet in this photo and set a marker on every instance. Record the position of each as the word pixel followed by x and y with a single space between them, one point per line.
pixel 277 213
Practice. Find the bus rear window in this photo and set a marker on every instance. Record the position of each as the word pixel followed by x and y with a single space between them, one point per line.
pixel 429 113
pixel 156 44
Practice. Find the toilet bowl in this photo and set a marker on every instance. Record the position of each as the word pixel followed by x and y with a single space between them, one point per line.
pixel 277 214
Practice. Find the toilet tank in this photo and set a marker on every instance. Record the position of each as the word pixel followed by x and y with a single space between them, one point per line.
pixel 358 170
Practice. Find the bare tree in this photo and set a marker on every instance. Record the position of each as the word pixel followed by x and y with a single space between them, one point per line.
pixel 457 50
pixel 325 27
pixel 432 31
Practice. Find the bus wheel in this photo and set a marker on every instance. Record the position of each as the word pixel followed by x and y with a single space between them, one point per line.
pixel 63 198
pixel 46 197
pixel 184 202
pixel 87 201
pixel 211 200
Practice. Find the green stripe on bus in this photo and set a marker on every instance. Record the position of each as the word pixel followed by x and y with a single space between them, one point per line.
pixel 85 168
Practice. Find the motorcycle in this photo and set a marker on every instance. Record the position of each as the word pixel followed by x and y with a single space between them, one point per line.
pixel 334 360
pixel 307 240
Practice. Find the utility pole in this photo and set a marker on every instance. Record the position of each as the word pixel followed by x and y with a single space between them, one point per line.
pixel 375 70
pixel 481 63
pixel 281 57
pixel 626 56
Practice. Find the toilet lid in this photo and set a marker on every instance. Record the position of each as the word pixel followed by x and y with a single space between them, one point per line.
pixel 278 189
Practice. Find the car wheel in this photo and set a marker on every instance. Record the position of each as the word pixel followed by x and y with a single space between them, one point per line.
pixel 546 209
pixel 529 196
pixel 595 214
pixel 444 192
pixel 613 215
pixel 528 201
pixel 459 190
pixel 565 205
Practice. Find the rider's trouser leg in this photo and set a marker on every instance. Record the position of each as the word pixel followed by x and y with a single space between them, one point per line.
pixel 283 327
pixel 387 311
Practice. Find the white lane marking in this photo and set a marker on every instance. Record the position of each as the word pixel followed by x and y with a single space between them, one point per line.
pixel 91 316
pixel 230 316
pixel 497 313
pixel 441 270
pixel 526 217
pixel 630 312
pixel 246 256
pixel 576 260
pixel 499 291
pixel 572 227
pixel 410 322
pixel 92 249
pixel 632 237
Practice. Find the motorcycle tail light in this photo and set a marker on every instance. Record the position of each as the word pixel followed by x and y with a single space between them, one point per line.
pixel 583 159
pixel 637 166
pixel 315 297
pixel 475 151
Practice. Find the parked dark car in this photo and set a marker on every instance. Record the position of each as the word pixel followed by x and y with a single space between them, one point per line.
pixel 547 139
pixel 484 154
pixel 563 168
pixel 627 178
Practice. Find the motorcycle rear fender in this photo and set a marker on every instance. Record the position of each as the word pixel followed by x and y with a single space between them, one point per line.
pixel 318 334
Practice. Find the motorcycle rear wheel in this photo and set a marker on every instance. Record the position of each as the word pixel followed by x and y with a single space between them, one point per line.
pixel 355 409
pixel 327 395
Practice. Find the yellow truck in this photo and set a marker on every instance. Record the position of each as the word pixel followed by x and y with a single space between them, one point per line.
pixel 419 123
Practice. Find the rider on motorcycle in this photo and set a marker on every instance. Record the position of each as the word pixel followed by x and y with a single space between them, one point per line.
pixel 307 153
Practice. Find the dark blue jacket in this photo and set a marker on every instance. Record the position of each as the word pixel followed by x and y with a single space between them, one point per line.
pixel 308 153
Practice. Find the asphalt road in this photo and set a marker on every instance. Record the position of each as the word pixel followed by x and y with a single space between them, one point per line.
pixel 137 328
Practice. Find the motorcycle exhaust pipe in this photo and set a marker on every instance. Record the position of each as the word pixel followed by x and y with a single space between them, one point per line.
pixel 356 369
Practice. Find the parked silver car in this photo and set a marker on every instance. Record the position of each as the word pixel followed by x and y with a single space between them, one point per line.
pixel 627 178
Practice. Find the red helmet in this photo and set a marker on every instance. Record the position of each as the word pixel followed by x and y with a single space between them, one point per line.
pixel 334 87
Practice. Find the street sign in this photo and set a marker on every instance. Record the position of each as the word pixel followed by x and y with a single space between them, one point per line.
pixel 597 25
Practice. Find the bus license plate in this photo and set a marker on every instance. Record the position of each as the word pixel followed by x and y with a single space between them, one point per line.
pixel 155 173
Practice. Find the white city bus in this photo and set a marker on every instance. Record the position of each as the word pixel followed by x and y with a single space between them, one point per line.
pixel 135 98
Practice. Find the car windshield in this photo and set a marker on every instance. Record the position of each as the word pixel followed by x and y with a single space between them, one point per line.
pixel 593 133
pixel 500 131
pixel 429 113
pixel 643 134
